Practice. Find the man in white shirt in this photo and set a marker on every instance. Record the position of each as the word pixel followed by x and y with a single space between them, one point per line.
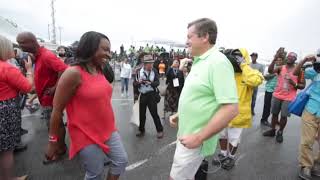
pixel 125 76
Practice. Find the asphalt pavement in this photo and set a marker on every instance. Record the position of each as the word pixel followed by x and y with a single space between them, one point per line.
pixel 258 157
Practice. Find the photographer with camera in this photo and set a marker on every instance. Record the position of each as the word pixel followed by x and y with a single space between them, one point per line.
pixel 310 117
pixel 284 93
pixel 147 80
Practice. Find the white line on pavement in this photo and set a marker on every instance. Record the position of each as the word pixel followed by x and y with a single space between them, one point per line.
pixel 30 115
pixel 136 164
pixel 139 163
pixel 239 158
pixel 166 147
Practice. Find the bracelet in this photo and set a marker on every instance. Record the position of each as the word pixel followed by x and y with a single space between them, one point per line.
pixel 28 73
pixel 53 138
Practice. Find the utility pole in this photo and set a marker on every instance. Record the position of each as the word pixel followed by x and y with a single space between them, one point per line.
pixel 60 33
pixel 54 40
pixel 49 31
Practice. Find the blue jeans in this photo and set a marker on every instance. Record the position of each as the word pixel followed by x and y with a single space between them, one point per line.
pixel 124 84
pixel 94 159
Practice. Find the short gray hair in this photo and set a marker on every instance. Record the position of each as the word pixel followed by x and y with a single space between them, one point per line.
pixel 206 26
pixel 6 48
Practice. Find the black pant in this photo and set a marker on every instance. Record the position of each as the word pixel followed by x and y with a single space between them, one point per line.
pixel 253 101
pixel 266 106
pixel 148 100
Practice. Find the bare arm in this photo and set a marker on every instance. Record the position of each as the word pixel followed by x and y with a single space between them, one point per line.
pixel 272 69
pixel 218 122
pixel 297 69
pixel 269 76
pixel 66 88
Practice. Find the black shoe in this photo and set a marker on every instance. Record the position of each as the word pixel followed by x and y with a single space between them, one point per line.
pixel 270 133
pixel 265 123
pixel 228 163
pixel 24 131
pixel 219 159
pixel 305 173
pixel 159 135
pixel 20 147
pixel 140 134
pixel 279 137
pixel 253 113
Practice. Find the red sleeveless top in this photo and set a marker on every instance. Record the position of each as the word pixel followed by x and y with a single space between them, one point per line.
pixel 90 115
pixel 284 90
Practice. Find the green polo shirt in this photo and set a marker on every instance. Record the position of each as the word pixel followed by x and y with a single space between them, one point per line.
pixel 210 84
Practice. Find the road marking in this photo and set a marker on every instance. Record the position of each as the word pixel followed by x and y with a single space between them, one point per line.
pixel 166 147
pixel 239 158
pixel 136 164
pixel 140 163
pixel 30 115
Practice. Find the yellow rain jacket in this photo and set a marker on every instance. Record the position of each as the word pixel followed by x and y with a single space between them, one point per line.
pixel 246 82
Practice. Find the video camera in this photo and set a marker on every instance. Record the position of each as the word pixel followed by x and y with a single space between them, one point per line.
pixel 315 64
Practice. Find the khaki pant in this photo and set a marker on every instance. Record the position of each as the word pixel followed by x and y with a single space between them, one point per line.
pixel 309 132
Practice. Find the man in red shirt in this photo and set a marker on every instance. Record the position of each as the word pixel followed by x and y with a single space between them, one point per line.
pixel 48 69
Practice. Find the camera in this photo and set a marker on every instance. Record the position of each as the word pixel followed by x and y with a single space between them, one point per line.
pixel 23 56
pixel 315 65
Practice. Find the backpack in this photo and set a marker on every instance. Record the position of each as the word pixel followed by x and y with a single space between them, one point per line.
pixel 231 55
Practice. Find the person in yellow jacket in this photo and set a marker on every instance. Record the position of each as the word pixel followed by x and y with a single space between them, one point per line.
pixel 246 81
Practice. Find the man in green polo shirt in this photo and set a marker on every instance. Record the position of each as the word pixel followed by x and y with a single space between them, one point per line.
pixel 208 101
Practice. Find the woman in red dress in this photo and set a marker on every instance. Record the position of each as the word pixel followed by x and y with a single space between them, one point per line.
pixel 86 94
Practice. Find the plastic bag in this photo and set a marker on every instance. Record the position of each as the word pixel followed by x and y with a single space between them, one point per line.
pixel 135 113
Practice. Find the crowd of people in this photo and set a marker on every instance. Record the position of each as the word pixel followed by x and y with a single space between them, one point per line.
pixel 207 109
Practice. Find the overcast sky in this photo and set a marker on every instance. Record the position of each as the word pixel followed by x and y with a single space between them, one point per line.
pixel 259 25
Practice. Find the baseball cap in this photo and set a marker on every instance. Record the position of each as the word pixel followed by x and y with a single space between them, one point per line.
pixel 254 54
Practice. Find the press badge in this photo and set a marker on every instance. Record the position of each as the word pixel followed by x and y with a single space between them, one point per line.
pixel 175 82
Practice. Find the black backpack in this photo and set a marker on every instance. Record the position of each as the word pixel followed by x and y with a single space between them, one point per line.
pixel 232 54
pixel 108 72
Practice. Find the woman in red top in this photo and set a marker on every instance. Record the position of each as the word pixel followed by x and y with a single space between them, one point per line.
pixel 12 82
pixel 86 94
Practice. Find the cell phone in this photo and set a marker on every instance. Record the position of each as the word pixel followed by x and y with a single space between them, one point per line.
pixel 24 56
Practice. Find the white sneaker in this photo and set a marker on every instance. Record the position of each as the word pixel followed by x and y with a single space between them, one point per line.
pixel 122 95
pixel 127 94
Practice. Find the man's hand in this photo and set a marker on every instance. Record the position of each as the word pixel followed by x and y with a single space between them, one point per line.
pixel 191 141
pixel 28 64
pixel 174 120
pixel 183 62
pixel 310 58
